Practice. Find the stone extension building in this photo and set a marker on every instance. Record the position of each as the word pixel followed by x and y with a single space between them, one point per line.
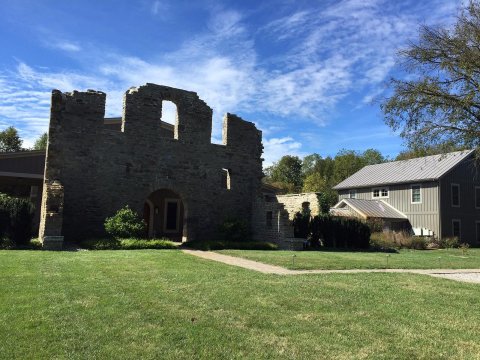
pixel 184 185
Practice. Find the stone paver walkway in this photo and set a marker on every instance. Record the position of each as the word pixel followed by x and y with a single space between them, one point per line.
pixel 465 275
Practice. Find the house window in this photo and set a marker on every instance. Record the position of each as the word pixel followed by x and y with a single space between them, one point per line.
pixel 269 219
pixel 352 194
pixel 456 228
pixel 456 195
pixel 380 193
pixel 477 197
pixel 477 228
pixel 416 194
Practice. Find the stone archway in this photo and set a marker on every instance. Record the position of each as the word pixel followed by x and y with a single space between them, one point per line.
pixel 164 212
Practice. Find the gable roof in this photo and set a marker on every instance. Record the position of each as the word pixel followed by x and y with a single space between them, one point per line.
pixel 368 209
pixel 428 168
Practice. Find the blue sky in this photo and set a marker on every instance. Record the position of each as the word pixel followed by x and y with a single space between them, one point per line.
pixel 304 71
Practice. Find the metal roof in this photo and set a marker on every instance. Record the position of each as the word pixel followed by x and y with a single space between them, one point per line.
pixel 428 168
pixel 370 208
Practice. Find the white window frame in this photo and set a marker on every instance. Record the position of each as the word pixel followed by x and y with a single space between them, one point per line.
pixel 177 225
pixel 452 185
pixel 477 237
pixel 459 228
pixel 380 192
pixel 411 193
pixel 354 192
pixel 477 188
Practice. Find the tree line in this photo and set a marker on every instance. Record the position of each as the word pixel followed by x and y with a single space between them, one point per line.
pixel 10 141
pixel 315 173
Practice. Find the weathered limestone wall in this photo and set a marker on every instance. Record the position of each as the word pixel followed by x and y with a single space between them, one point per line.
pixel 293 203
pixel 102 170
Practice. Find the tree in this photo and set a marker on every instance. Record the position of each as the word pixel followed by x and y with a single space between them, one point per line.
pixel 439 102
pixel 9 140
pixel 41 142
pixel 428 150
pixel 347 162
pixel 287 173
pixel 309 163
pixel 372 157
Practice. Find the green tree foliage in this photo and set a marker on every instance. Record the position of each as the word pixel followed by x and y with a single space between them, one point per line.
pixel 286 173
pixel 439 102
pixel 41 142
pixel 10 140
pixel 16 220
pixel 420 151
pixel 309 164
pixel 125 224
pixel 317 174
pixel 372 157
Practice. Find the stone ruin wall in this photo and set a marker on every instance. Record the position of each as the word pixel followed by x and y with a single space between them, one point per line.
pixel 101 170
pixel 293 203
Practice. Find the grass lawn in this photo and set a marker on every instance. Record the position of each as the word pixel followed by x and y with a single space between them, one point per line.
pixel 164 304
pixel 405 259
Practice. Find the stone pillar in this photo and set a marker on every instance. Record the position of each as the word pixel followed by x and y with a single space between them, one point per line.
pixel 52 216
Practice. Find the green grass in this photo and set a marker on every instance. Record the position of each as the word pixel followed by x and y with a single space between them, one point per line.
pixel 404 259
pixel 163 304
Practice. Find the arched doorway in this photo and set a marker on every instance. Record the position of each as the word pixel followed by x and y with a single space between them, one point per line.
pixel 164 213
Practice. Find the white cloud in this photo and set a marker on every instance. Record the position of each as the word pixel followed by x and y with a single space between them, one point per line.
pixel 275 148
pixel 330 52
pixel 67 46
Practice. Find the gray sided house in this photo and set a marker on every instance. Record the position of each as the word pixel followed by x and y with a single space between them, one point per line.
pixel 435 195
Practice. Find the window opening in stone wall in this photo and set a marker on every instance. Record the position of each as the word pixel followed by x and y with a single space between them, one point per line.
pixel 306 208
pixel 169 112
pixel 226 179
pixel 269 219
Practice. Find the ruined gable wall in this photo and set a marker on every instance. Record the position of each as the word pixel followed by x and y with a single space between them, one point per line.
pixel 102 170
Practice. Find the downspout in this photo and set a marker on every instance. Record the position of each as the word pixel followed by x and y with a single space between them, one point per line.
pixel 439 209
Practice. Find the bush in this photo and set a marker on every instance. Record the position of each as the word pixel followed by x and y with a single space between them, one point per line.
pixel 221 245
pixel 125 224
pixel 339 232
pixel 301 225
pixel 401 240
pixel 234 230
pixel 16 220
pixel 127 244
pixel 449 242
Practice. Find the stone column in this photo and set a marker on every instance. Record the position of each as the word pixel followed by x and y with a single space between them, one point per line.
pixel 52 216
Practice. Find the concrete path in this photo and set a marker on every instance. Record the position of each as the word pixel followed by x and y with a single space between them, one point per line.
pixel 465 275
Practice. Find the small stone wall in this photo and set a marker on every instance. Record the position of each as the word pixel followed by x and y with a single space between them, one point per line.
pixel 293 203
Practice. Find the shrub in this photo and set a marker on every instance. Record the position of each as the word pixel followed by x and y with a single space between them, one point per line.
pixel 301 223
pixel 400 240
pixel 125 224
pixel 16 220
pixel 449 242
pixel 127 244
pixel 234 230
pixel 375 225
pixel 339 232
pixel 221 245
